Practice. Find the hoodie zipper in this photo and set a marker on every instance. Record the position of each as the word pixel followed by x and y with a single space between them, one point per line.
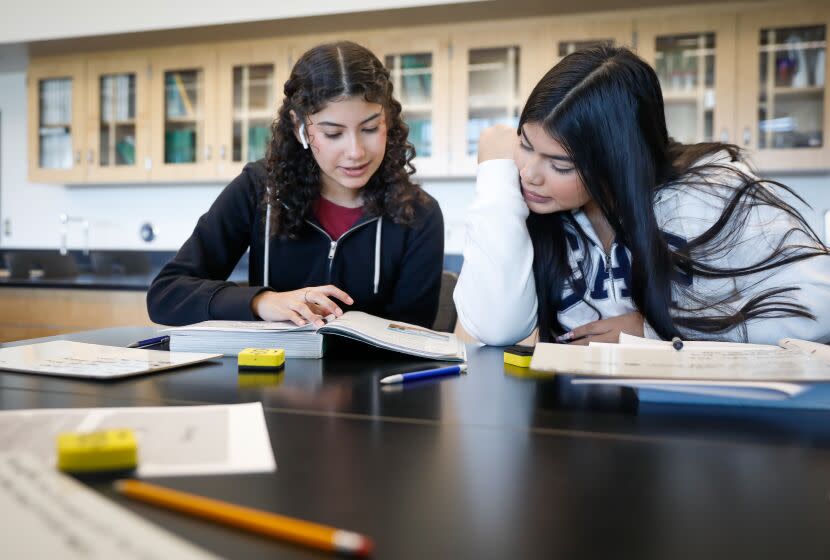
pixel 609 270
pixel 333 243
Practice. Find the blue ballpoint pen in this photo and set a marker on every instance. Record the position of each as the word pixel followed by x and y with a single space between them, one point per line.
pixel 149 342
pixel 412 376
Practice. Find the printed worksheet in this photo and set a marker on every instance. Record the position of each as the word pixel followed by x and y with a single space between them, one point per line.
pixel 96 361
pixel 47 514
pixel 172 440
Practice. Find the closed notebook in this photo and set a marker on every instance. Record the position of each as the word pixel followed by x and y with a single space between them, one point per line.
pixel 230 337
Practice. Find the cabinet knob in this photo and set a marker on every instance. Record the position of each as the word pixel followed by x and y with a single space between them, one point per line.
pixel 223 150
pixel 724 135
pixel 207 153
pixel 90 156
pixel 78 156
pixel 747 136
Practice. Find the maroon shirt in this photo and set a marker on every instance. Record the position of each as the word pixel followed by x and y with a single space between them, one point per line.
pixel 335 219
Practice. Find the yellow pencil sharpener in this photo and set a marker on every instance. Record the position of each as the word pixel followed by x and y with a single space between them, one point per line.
pixel 258 360
pixel 518 356
pixel 114 450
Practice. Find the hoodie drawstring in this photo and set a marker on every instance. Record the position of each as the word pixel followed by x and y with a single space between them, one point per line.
pixel 267 244
pixel 377 253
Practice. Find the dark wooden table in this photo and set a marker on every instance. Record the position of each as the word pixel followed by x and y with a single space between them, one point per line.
pixel 494 464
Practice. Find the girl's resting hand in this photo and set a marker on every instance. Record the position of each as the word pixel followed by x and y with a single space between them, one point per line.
pixel 497 142
pixel 606 330
pixel 306 305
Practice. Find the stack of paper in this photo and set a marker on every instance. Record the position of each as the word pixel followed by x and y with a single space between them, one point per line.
pixel 794 374
pixel 231 337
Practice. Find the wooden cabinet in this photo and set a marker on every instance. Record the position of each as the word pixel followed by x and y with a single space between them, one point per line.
pixel 118 123
pixel 57 117
pixel 695 61
pixel 755 77
pixel 36 312
pixel 782 98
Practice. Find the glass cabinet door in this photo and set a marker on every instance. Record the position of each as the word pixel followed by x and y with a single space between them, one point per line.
pixel 418 68
pixel 56 141
pixel 685 65
pixel 250 84
pixel 493 95
pixel 253 111
pixel 492 74
pixel 783 110
pixel 791 87
pixel 183 113
pixel 118 125
pixel 694 61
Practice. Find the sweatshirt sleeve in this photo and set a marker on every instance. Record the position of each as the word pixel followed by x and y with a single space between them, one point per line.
pixel 496 292
pixel 416 293
pixel 193 287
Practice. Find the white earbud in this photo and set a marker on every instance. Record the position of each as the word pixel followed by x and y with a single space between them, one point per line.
pixel 303 139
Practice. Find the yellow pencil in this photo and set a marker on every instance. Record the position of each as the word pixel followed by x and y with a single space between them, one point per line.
pixel 249 519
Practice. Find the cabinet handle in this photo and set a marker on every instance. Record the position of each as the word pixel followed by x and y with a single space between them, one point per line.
pixel 724 135
pixel 90 156
pixel 207 153
pixel 78 156
pixel 223 149
pixel 747 136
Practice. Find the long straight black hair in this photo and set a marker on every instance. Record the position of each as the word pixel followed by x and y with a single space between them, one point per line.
pixel 604 106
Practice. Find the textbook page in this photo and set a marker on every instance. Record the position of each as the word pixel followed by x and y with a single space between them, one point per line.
pixel 80 359
pixel 172 440
pixel 47 514
pixel 396 335
pixel 242 326
pixel 763 363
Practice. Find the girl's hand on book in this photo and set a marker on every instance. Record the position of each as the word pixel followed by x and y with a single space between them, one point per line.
pixel 306 305
pixel 606 330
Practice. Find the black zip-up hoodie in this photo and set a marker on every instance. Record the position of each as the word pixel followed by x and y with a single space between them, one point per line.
pixel 402 282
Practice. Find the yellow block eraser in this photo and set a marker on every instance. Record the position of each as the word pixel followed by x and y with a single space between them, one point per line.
pixel 104 450
pixel 258 359
pixel 519 356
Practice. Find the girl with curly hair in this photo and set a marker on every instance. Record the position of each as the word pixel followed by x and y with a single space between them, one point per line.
pixel 331 216
pixel 590 221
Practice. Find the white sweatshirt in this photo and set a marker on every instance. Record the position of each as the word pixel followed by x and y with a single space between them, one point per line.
pixel 496 293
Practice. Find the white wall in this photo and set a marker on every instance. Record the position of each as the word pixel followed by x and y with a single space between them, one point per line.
pixel 117 212
pixel 40 20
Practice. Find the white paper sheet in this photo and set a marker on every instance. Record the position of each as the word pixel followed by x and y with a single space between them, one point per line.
pixel 172 440
pixel 79 359
pixel 49 515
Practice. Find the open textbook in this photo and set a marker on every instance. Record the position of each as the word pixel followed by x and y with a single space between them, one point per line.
pixel 795 373
pixel 229 337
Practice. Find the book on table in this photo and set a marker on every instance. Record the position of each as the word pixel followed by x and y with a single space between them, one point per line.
pixel 230 337
pixel 794 374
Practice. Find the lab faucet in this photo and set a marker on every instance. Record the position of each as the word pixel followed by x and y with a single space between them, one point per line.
pixel 64 219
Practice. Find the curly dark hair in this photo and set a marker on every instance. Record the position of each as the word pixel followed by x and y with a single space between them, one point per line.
pixel 326 73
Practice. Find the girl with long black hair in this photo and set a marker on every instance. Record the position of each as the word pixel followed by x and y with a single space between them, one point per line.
pixel 589 221
pixel 331 217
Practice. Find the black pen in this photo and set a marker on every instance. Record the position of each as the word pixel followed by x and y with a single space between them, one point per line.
pixel 155 341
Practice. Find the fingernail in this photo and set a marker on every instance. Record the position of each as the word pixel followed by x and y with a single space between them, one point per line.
pixel 565 337
pixel 351 301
